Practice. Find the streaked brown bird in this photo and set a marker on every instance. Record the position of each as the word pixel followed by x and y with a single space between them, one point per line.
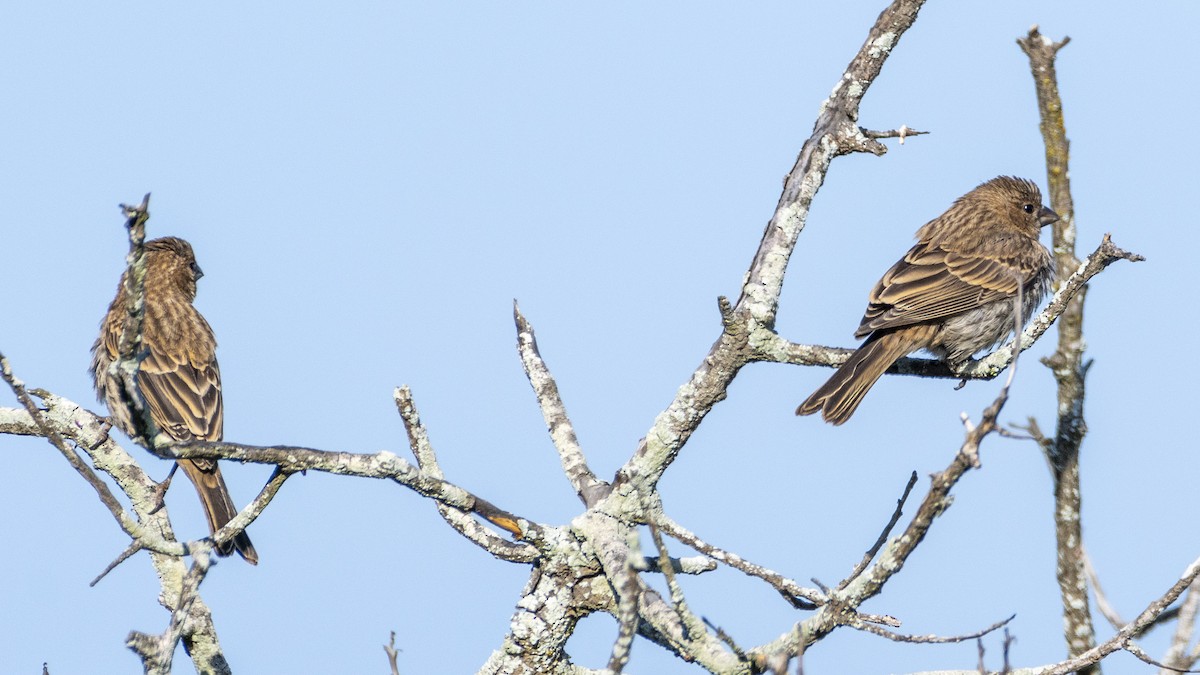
pixel 954 292
pixel 179 378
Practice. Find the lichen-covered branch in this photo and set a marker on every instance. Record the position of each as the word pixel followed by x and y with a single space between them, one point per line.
pixel 1178 655
pixel 562 432
pixel 422 449
pixel 752 318
pixel 124 369
pixel 66 421
pixel 842 603
pixel 36 422
pixel 383 465
pixel 779 582
pixel 1122 640
pixel 1067 362
pixel 158 651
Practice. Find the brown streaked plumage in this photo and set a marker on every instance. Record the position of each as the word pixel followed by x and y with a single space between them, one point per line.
pixel 179 378
pixel 954 292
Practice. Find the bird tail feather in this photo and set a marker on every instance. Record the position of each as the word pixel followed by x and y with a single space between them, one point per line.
pixel 839 397
pixel 218 507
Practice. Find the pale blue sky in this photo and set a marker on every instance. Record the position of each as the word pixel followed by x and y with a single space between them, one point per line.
pixel 369 185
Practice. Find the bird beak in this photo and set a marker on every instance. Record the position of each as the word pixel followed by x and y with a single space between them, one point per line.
pixel 1047 216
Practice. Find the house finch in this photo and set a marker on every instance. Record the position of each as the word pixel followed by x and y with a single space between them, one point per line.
pixel 954 292
pixel 179 378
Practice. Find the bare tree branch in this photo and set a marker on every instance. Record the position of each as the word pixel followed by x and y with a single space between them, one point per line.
pixel 1120 641
pixel 384 465
pixel 65 420
pixel 1102 603
pixel 929 639
pixel 1135 627
pixel 781 583
pixel 693 565
pixel 38 424
pixel 752 318
pixel 690 621
pixel 459 519
pixel 1067 362
pixel 887 530
pixel 124 368
pixel 158 651
pixel 392 653
pixel 628 589
pixel 562 432
pixel 902 133
pixel 842 603
pixel 1178 654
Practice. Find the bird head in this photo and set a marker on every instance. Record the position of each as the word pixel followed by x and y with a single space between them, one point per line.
pixel 1017 201
pixel 174 263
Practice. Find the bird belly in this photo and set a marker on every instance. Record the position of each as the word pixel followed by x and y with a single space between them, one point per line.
pixel 970 332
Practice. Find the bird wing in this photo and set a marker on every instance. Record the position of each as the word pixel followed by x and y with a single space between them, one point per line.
pixel 931 283
pixel 185 401
pixel 184 397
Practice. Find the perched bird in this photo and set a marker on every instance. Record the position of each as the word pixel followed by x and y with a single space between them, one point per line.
pixel 179 378
pixel 954 292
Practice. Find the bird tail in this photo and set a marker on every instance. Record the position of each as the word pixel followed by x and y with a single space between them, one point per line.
pixel 218 505
pixel 839 397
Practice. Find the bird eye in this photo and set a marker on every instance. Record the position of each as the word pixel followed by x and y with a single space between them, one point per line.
pixel 1028 208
